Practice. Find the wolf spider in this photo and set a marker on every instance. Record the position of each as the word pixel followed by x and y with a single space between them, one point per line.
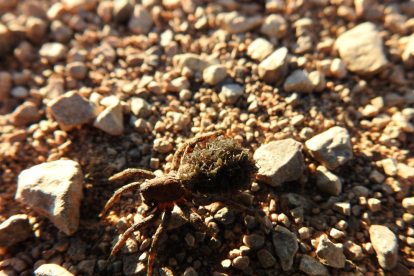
pixel 221 168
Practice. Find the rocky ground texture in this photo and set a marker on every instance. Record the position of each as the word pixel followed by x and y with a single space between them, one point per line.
pixel 321 92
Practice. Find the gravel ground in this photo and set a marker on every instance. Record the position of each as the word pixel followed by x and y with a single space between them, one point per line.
pixel 321 93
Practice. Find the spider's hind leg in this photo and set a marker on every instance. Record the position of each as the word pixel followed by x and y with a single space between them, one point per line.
pixel 157 236
pixel 230 203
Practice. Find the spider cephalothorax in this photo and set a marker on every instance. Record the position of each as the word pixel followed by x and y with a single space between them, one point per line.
pixel 220 168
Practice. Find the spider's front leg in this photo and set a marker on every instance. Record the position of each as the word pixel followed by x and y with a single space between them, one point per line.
pixel 137 226
pixel 207 200
pixel 189 146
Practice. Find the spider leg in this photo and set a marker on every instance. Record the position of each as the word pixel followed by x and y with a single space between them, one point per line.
pixel 117 195
pixel 137 226
pixel 157 236
pixel 133 172
pixel 188 147
pixel 194 218
pixel 230 203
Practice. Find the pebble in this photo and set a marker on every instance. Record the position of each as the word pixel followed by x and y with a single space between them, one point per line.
pixel 374 204
pixel 111 120
pixel 342 207
pixel 385 245
pixel 353 251
pixel 298 81
pixel 370 111
pixel 286 245
pixel 405 172
pixel 336 234
pixel 327 181
pixel 274 25
pixel 318 80
pixel 190 271
pixel 330 254
pixel 338 68
pixel 361 49
pixel 52 270
pixel 178 84
pixel 60 32
pixel 105 9
pixel 259 49
pixel 86 267
pixel 225 215
pixel 360 191
pixel 266 258
pixel 140 107
pixel 76 6
pixel 25 114
pixel 15 263
pixel 234 22
pixel 72 110
pixel 408 204
pixel 54 190
pixel 332 148
pixel 36 29
pixel 230 93
pixel 312 266
pixel 254 241
pixel 274 68
pixel 140 21
pixel 162 145
pixel 13 230
pixel 53 51
pixel 214 74
pixel 304 233
pixel 53 89
pixel 376 177
pixel 241 262
pixel 77 70
pixel 19 92
pixel 122 10
pixel 279 162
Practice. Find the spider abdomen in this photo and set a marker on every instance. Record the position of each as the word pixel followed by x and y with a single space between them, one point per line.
pixel 162 190
pixel 222 167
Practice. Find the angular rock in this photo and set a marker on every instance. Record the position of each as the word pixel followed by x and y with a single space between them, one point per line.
pixel 318 80
pixel 140 21
pixel 230 93
pixel 327 181
pixel 54 190
pixel 71 110
pixel 25 114
pixel 51 270
pixel 312 266
pixel 214 74
pixel 331 148
pixel 140 107
pixel 254 241
pixel 13 230
pixel 76 6
pixel 105 9
pixel 241 262
pixel 361 49
pixel 274 68
pixel 289 201
pixel 225 215
pixel 111 120
pixel 330 253
pixel 162 145
pixel 53 89
pixel 279 162
pixel 193 62
pixel 36 29
pixel 385 244
pixel 353 251
pixel 53 51
pixel 234 22
pixel 259 49
pixel 286 245
pixel 298 81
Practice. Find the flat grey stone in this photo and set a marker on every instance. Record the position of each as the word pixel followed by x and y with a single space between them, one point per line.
pixel 331 148
pixel 312 266
pixel 298 81
pixel 54 190
pixel 286 245
pixel 329 253
pixel 327 181
pixel 274 68
pixel 279 162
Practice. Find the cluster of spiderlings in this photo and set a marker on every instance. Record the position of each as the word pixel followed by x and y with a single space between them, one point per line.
pixel 222 167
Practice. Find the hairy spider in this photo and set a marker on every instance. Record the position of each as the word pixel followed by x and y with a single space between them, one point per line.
pixel 220 168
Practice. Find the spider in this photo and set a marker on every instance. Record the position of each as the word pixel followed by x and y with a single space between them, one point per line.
pixel 201 175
